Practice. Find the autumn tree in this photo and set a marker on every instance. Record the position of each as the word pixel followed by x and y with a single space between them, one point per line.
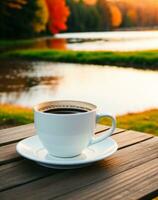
pixel 42 15
pixel 58 14
pixel 30 18
pixel 116 15
pixel 142 13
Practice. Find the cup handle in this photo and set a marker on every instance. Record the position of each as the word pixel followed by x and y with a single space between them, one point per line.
pixel 104 134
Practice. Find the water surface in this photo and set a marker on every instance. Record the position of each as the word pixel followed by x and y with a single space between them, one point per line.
pixel 108 41
pixel 115 90
pixel 111 41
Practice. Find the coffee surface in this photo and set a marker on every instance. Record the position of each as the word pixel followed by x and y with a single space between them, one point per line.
pixel 65 111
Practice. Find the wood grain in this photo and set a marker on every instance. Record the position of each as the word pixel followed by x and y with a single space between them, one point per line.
pixel 131 184
pixel 20 172
pixel 73 181
pixel 8 153
pixel 16 133
pixel 130 137
pixel 131 173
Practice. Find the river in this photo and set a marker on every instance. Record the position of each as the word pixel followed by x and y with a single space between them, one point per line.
pixel 108 41
pixel 115 90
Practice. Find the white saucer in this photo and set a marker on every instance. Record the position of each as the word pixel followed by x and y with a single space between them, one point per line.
pixel 33 149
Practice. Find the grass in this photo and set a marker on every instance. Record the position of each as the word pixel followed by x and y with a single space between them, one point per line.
pixel 14 115
pixel 137 59
pixel 15 43
pixel 146 121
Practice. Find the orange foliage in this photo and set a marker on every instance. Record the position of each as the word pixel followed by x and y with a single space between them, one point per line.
pixel 58 14
pixel 90 2
pixel 140 12
pixel 59 44
pixel 116 16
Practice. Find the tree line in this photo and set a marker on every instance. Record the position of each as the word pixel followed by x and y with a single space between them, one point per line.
pixel 102 15
pixel 31 18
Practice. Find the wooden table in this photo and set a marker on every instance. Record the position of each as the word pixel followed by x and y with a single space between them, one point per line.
pixel 131 173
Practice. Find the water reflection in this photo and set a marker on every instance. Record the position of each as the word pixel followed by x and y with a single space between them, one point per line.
pixel 41 43
pixel 50 43
pixel 110 41
pixel 17 78
pixel 114 90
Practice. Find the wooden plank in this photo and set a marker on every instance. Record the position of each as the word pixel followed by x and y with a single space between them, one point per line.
pixel 131 184
pixel 20 172
pixel 15 134
pixel 8 152
pixel 71 180
pixel 130 137
pixel 100 128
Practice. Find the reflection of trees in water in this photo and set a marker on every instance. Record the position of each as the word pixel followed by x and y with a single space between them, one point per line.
pixel 13 67
pixel 44 43
pixel 50 43
pixel 14 77
pixel 51 81
pixel 59 43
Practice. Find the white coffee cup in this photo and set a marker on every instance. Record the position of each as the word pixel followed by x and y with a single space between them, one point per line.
pixel 67 135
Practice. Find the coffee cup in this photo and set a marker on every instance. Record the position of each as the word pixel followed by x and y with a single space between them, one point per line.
pixel 66 128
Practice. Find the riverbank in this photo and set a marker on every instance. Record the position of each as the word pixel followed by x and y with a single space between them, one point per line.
pixel 14 115
pixel 146 121
pixel 137 59
pixel 7 44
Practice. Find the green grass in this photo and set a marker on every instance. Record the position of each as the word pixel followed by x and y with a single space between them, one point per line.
pixel 146 121
pixel 14 115
pixel 137 59
pixel 15 43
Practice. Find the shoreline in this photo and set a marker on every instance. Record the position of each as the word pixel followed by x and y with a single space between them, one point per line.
pixel 135 59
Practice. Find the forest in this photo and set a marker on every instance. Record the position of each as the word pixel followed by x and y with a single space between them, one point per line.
pixel 28 18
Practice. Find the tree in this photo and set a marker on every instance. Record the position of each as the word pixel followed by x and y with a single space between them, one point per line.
pixel 116 15
pixel 42 15
pixel 142 13
pixel 85 16
pixel 58 14
pixel 105 14
pixel 16 19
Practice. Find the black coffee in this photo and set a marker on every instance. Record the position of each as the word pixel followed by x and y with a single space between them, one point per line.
pixel 65 110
